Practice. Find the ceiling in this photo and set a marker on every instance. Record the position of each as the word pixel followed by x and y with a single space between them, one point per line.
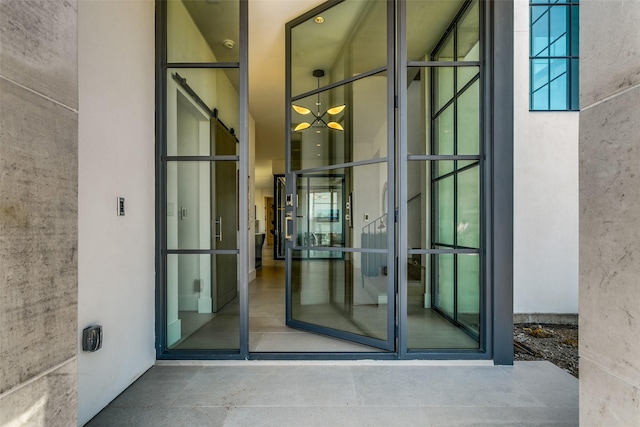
pixel 315 47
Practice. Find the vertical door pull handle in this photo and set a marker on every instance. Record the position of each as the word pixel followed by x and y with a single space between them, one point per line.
pixel 219 223
pixel 287 220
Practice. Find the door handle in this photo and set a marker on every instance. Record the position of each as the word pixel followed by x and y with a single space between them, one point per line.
pixel 287 220
pixel 218 222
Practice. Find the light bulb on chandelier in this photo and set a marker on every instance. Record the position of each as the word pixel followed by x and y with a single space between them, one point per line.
pixel 318 117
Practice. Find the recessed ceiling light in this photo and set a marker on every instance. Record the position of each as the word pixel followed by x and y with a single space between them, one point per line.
pixel 319 19
pixel 228 43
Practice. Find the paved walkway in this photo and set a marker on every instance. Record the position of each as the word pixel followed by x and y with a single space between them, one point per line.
pixel 362 393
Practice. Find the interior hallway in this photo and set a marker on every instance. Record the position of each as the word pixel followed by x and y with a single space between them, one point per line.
pixel 268 332
pixel 360 393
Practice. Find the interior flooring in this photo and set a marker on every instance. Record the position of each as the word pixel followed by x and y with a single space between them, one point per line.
pixel 268 332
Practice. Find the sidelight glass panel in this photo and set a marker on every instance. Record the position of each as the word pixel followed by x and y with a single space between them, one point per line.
pixel 348 39
pixel 468 208
pixel 201 205
pixel 433 129
pixel 444 284
pixel 468 291
pixel 468 34
pixel 444 196
pixel 341 125
pixel 202 304
pixel 443 132
pixel 431 35
pixel 201 31
pixel 341 294
pixel 430 302
pixel 427 21
pixel 465 76
pixel 433 200
pixel 468 122
pixel 443 81
pixel 203 112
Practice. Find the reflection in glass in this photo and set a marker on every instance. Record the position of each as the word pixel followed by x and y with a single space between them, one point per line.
pixel 202 303
pixel 203 31
pixel 468 291
pixel 342 208
pixel 198 102
pixel 339 294
pixel 450 203
pixel 443 307
pixel 443 111
pixel 468 119
pixel 468 208
pixel 554 47
pixel 201 205
pixel 427 35
pixel 444 195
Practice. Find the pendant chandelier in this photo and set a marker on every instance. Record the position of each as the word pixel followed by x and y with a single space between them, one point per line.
pixel 318 118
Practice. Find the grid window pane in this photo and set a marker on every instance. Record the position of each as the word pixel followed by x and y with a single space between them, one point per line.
pixel 554 48
pixel 558 85
pixel 469 120
pixel 444 291
pixel 539 73
pixel 468 208
pixel 558 29
pixel 540 99
pixel 444 201
pixel 540 34
pixel 443 129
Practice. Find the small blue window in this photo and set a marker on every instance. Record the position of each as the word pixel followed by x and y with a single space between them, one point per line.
pixel 553 55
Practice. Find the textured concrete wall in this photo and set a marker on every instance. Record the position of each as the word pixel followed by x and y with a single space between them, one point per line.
pixel 38 212
pixel 609 213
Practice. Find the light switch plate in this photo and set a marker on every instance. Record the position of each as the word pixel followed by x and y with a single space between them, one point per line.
pixel 120 206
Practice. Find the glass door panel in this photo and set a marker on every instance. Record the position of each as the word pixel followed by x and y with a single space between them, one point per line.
pixel 340 264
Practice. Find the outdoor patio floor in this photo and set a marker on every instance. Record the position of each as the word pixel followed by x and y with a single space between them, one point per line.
pixel 346 393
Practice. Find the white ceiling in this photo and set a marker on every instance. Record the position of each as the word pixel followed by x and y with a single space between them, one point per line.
pixel 267 18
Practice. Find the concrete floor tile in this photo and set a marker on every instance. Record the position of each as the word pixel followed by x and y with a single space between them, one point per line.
pixel 269 386
pixel 500 416
pixel 321 416
pixel 346 395
pixel 171 372
pixel 152 391
pixel 160 417
pixel 439 386
pixel 535 377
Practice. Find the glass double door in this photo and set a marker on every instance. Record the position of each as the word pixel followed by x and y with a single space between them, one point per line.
pixel 382 206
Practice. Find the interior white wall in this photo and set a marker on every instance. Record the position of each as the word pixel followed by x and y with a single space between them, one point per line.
pixel 545 194
pixel 116 278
